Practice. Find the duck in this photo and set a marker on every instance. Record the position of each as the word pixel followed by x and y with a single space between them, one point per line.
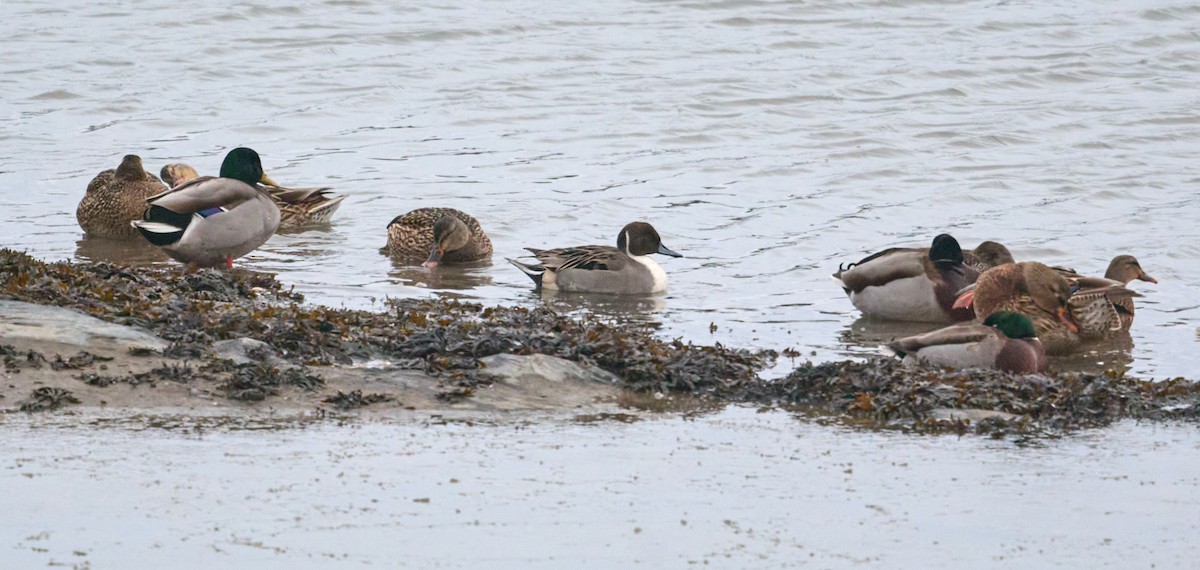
pixel 1005 341
pixel 298 207
pixel 910 284
pixel 116 196
pixel 986 255
pixel 1103 306
pixel 437 235
pixel 208 221
pixel 623 270
pixel 1032 289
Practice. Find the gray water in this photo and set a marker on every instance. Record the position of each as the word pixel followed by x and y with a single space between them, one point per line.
pixel 740 489
pixel 767 141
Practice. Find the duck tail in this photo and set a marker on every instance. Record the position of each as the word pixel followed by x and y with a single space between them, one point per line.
pixel 533 271
pixel 158 233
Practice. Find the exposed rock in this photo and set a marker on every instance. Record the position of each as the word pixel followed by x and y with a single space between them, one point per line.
pixel 973 415
pixel 245 350
pixel 515 370
pixel 43 323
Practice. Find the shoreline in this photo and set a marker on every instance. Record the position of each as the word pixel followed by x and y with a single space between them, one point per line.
pixel 99 335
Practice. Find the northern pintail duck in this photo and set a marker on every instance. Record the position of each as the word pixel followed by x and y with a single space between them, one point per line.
pixel 208 221
pixel 910 284
pixel 1105 305
pixel 1032 289
pixel 116 196
pixel 298 207
pixel 626 269
pixel 437 235
pixel 1005 341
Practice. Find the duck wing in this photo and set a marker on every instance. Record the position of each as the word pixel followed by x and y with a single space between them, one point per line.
pixel 585 257
pixel 882 268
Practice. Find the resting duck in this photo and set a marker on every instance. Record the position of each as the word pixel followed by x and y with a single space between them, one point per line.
pixel 624 270
pixel 907 284
pixel 437 235
pixel 298 207
pixel 1005 341
pixel 116 196
pixel 1032 289
pixel 1102 306
pixel 987 255
pixel 208 221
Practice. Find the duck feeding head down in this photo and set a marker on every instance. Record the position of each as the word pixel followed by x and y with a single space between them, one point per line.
pixel 449 234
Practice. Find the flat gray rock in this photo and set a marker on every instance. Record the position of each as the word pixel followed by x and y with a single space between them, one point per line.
pixel 30 322
pixel 245 350
pixel 514 369
pixel 973 415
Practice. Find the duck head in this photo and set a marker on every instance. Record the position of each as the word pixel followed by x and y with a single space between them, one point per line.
pixel 1125 268
pixel 244 164
pixel 640 238
pixel 945 249
pixel 1012 324
pixel 449 234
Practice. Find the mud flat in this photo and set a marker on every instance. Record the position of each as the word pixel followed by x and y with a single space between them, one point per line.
pixel 140 339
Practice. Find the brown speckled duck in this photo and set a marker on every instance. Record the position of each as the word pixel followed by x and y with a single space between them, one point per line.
pixel 298 207
pixel 910 284
pixel 1105 305
pixel 437 235
pixel 987 255
pixel 1034 290
pixel 116 196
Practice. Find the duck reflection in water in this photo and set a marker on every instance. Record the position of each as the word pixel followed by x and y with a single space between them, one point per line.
pixel 627 309
pixel 456 276
pixel 123 251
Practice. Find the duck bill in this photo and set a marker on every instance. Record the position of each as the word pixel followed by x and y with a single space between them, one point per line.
pixel 435 257
pixel 662 249
pixel 1146 277
pixel 267 180
pixel 1066 320
pixel 965 300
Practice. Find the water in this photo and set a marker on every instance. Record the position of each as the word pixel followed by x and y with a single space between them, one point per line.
pixel 739 489
pixel 767 141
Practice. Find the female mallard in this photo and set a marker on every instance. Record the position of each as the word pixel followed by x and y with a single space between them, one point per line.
pixel 1032 289
pixel 626 269
pixel 116 196
pixel 985 256
pixel 298 207
pixel 208 221
pixel 437 235
pixel 1105 305
pixel 909 284
pixel 1005 341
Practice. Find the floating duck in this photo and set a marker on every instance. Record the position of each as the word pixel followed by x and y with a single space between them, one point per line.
pixel 910 284
pixel 1005 341
pixel 625 269
pixel 298 207
pixel 437 235
pixel 116 196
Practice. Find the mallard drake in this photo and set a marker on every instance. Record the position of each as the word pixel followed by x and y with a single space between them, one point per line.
pixel 986 255
pixel 1032 289
pixel 626 269
pixel 116 196
pixel 298 207
pixel 437 235
pixel 1105 305
pixel 208 221
pixel 1005 341
pixel 910 284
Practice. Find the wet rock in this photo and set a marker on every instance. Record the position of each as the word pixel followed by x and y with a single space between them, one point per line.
pixel 245 350
pixel 42 323
pixel 973 415
pixel 515 370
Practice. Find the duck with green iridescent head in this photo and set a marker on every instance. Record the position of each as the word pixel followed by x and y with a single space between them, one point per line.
pixel 1005 341
pixel 210 221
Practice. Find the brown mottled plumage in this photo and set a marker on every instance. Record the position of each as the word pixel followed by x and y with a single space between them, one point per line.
pixel 411 236
pixel 987 255
pixel 1034 290
pixel 116 196
pixel 298 207
pixel 1103 306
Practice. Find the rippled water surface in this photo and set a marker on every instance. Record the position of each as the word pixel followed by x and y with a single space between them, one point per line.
pixel 739 489
pixel 767 141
